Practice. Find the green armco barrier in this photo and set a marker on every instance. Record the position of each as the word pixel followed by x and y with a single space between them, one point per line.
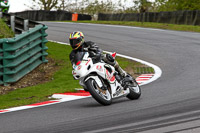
pixel 21 54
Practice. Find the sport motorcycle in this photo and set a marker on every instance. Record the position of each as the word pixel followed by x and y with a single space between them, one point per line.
pixel 102 80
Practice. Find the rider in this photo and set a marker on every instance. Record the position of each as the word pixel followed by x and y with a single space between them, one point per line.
pixel 78 44
pixel 4 5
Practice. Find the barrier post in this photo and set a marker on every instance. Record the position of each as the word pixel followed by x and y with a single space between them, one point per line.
pixel 1 14
pixel 12 23
pixel 26 23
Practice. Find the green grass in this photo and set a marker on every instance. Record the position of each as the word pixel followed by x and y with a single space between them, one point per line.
pixel 5 31
pixel 62 80
pixel 189 28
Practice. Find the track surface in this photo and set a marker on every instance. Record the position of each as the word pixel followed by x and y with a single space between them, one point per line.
pixel 169 104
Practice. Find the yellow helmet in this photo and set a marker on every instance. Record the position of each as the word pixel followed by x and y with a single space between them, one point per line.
pixel 76 39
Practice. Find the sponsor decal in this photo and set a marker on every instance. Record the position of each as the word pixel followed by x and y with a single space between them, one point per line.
pixel 100 68
pixel 110 77
pixel 78 63
pixel 87 62
pixel 79 67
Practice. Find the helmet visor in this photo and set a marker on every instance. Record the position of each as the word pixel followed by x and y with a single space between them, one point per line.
pixel 74 42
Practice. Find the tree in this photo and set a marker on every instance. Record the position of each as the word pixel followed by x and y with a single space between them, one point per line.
pixel 44 4
pixel 99 7
pixel 65 5
pixel 142 5
pixel 175 5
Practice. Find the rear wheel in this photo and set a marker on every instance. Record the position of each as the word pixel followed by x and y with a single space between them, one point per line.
pixel 100 95
pixel 135 91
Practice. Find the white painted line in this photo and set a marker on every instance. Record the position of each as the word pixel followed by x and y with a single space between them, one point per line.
pixel 60 99
pixel 27 107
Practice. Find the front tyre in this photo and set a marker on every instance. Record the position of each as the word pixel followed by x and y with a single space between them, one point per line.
pixel 135 91
pixel 101 96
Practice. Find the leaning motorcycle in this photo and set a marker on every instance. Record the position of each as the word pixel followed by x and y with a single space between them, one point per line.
pixel 102 80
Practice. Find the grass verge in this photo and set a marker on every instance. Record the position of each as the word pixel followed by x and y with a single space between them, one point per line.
pixel 5 31
pixel 62 80
pixel 189 28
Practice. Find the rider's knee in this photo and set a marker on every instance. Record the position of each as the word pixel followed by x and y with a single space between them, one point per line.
pixel 109 59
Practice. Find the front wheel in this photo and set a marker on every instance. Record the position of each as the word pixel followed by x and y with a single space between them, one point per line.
pixel 100 95
pixel 135 91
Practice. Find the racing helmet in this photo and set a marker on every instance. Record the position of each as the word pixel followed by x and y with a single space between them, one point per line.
pixel 76 39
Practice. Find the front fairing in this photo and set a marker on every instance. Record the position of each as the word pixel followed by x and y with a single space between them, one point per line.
pixel 81 64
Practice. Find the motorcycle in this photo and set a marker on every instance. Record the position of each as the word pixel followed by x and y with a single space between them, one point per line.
pixel 4 6
pixel 102 80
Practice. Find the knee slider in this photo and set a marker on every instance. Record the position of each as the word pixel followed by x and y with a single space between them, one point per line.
pixel 110 58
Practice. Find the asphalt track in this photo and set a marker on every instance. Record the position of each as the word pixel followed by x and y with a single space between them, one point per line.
pixel 169 104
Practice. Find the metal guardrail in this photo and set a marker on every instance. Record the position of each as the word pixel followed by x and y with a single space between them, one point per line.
pixel 18 24
pixel 21 54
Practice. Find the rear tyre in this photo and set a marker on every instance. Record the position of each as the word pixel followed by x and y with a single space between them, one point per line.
pixel 135 91
pixel 101 96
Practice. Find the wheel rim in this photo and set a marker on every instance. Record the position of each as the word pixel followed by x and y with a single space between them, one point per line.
pixel 105 94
